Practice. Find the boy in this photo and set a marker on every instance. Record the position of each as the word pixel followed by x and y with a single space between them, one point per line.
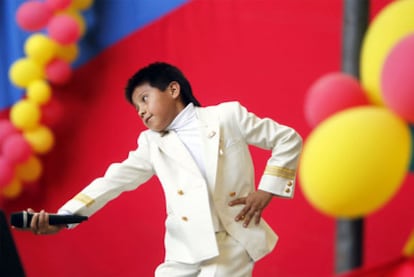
pixel 202 159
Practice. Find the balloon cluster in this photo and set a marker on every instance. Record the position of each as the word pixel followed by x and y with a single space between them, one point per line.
pixel 57 26
pixel 360 149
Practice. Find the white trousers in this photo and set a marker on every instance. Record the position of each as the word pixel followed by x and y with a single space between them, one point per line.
pixel 232 260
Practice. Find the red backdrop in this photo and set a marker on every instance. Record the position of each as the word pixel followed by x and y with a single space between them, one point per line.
pixel 264 54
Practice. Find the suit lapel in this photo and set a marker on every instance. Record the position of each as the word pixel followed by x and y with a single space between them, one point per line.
pixel 210 136
pixel 172 146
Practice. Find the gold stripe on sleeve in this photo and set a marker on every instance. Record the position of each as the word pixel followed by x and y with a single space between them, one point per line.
pixel 280 172
pixel 85 199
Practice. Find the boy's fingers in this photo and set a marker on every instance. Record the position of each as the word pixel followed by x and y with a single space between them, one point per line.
pixel 43 222
pixel 238 201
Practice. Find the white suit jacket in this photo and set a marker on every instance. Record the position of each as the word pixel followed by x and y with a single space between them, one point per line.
pixel 227 130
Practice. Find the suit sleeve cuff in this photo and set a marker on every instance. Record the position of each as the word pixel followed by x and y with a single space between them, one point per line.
pixel 278 186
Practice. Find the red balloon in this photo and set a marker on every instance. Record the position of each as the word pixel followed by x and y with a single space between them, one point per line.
pixel 397 80
pixel 6 129
pixel 6 172
pixel 16 149
pixel 64 29
pixel 33 16
pixel 56 5
pixel 58 71
pixel 330 94
pixel 52 113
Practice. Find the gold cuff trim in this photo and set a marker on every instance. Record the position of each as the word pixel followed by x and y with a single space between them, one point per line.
pixel 84 199
pixel 280 172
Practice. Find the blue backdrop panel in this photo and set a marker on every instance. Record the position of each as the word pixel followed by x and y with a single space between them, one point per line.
pixel 107 22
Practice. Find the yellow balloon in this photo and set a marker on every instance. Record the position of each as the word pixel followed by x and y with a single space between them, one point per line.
pixel 30 170
pixel 354 162
pixel 25 70
pixel 41 139
pixel 13 190
pixel 39 91
pixel 393 23
pixel 81 4
pixel 68 53
pixel 40 48
pixel 25 115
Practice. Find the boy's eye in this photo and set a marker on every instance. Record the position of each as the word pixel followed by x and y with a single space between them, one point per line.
pixel 144 98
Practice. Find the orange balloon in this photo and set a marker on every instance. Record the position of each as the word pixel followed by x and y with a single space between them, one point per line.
pixel 13 190
pixel 30 170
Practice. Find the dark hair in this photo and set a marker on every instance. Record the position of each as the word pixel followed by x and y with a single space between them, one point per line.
pixel 160 75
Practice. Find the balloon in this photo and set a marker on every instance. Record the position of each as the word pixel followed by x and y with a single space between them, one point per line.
pixel 33 16
pixel 30 170
pixel 68 53
pixel 40 48
pixel 78 18
pixel 6 172
pixel 404 269
pixel 16 149
pixel 6 129
pixel 23 71
pixel 41 139
pixel 25 114
pixel 13 190
pixel 397 80
pixel 408 249
pixel 81 4
pixel 393 23
pixel 58 72
pixel 354 162
pixel 332 93
pixel 39 92
pixel 64 29
pixel 52 112
pixel 56 5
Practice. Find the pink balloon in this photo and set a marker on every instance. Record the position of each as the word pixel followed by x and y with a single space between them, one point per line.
pixel 330 94
pixel 64 29
pixel 403 269
pixel 56 5
pixel 397 80
pixel 6 129
pixel 58 71
pixel 16 149
pixel 6 172
pixel 33 16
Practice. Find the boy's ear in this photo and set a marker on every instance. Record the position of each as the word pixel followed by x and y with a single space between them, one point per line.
pixel 174 89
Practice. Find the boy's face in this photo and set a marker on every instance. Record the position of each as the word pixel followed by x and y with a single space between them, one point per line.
pixel 157 108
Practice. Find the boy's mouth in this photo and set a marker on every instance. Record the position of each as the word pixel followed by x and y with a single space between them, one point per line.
pixel 147 119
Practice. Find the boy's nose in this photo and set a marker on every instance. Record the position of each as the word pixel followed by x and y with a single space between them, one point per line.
pixel 142 112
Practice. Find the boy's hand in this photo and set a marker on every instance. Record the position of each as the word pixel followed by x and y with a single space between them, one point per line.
pixel 254 203
pixel 40 224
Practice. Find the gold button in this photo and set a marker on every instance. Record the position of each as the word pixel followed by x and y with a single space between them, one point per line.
pixel 287 190
pixel 290 183
pixel 180 192
pixel 232 194
pixel 184 218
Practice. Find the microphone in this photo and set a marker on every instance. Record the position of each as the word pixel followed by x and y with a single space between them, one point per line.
pixel 23 219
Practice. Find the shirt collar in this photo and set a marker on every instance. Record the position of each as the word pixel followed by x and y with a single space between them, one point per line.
pixel 184 118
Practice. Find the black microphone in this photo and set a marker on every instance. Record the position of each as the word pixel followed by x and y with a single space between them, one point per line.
pixel 23 219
